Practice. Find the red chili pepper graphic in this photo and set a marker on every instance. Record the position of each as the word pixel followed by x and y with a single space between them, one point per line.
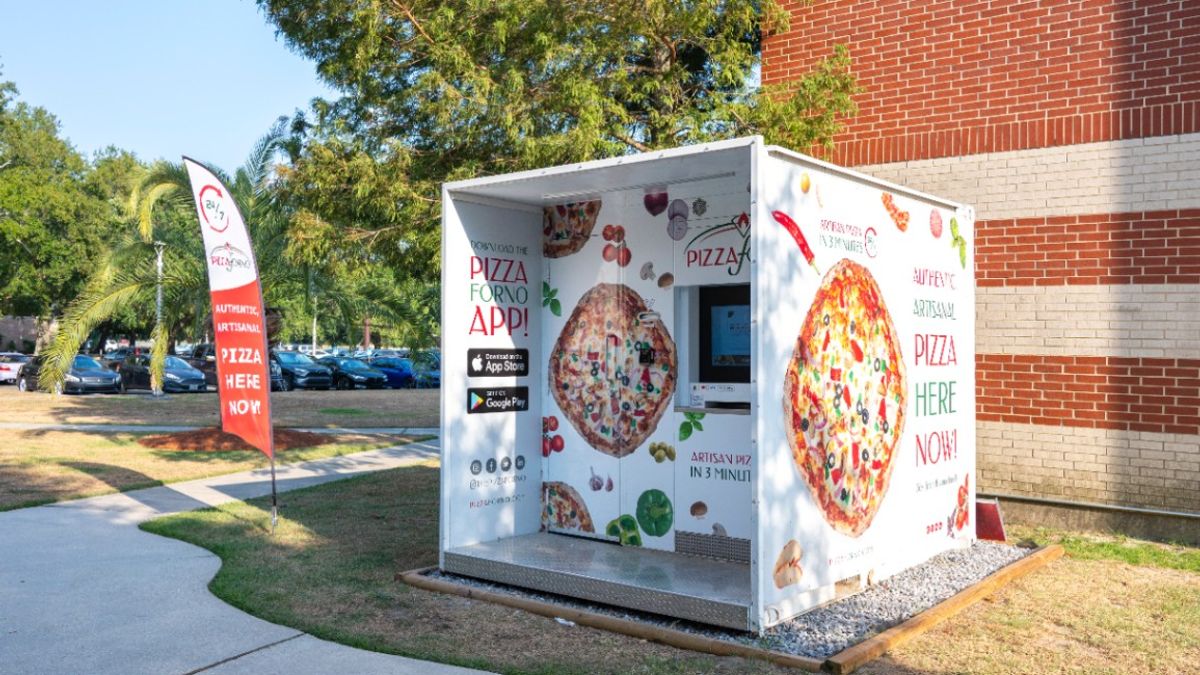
pixel 858 353
pixel 793 229
pixel 846 395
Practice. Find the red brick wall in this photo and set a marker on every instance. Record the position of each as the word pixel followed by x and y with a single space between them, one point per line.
pixel 1124 248
pixel 1138 394
pixel 966 76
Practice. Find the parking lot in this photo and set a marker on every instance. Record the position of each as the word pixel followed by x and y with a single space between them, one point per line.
pixel 353 408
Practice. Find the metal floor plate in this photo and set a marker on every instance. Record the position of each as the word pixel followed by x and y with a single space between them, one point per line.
pixel 715 592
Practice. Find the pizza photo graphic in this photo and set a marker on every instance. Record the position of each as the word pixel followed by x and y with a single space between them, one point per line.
pixel 567 227
pixel 613 369
pixel 563 508
pixel 844 398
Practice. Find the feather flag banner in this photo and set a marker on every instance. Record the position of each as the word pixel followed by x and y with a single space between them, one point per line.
pixel 239 322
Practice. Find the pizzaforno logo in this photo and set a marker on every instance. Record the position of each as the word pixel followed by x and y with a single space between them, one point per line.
pixel 229 258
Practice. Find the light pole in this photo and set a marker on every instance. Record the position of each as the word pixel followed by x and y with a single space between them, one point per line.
pixel 157 377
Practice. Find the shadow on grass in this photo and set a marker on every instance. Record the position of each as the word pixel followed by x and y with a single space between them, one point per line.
pixel 119 478
pixel 290 409
pixel 40 488
pixel 318 472
pixel 133 408
pixel 332 568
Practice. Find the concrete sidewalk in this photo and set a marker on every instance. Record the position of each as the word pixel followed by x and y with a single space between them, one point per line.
pixel 83 590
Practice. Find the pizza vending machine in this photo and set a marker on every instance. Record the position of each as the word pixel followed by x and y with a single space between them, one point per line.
pixel 717 382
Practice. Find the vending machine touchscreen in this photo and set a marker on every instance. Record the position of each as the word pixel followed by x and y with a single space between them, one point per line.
pixel 724 341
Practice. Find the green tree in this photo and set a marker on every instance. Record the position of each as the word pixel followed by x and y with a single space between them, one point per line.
pixel 443 89
pixel 159 208
pixel 53 224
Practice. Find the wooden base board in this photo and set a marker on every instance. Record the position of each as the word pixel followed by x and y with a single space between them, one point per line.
pixel 845 661
pixel 667 636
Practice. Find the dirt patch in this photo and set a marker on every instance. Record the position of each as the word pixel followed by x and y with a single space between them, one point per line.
pixel 212 439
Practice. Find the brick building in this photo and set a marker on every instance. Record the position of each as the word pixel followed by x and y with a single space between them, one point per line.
pixel 1073 127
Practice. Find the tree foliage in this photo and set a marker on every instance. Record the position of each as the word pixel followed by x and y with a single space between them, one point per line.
pixel 159 207
pixel 53 218
pixel 438 90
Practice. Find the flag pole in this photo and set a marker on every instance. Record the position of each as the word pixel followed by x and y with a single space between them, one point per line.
pixel 271 437
pixel 274 496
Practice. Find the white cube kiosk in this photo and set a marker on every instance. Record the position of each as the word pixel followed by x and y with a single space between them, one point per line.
pixel 708 383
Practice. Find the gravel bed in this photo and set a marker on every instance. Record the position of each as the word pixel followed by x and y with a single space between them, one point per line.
pixel 828 630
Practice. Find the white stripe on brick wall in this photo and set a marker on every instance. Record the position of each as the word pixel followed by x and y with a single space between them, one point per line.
pixel 1137 320
pixel 1148 174
pixel 1132 468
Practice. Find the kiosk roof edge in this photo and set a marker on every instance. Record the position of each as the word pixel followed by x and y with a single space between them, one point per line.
pixel 783 153
pixel 682 151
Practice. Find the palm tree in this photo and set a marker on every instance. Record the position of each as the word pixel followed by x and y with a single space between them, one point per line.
pixel 161 210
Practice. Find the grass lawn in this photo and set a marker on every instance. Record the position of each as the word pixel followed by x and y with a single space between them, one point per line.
pixel 331 567
pixel 339 545
pixel 38 467
pixel 1094 546
pixel 360 408
pixel 1074 616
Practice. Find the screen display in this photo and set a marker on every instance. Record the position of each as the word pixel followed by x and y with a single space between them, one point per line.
pixel 730 335
pixel 724 333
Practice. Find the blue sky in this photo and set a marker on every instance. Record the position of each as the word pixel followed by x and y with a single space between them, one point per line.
pixel 162 79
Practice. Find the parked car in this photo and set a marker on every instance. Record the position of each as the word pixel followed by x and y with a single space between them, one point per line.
pixel 427 369
pixel 399 371
pixel 113 357
pixel 301 371
pixel 178 375
pixel 204 359
pixel 277 382
pixel 10 366
pixel 351 373
pixel 373 353
pixel 87 375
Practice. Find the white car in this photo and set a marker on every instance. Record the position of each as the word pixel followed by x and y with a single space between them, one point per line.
pixel 10 365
